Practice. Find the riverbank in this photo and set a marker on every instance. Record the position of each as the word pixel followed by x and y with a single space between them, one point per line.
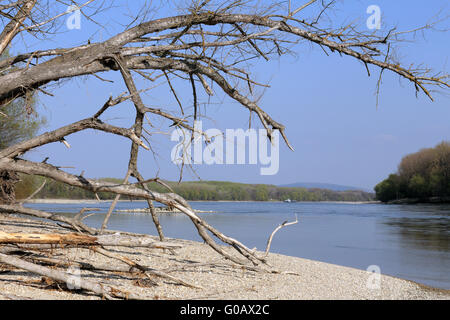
pixel 430 200
pixel 200 265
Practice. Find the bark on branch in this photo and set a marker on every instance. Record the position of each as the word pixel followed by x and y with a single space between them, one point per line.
pixel 83 240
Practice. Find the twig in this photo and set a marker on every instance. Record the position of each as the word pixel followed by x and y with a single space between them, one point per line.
pixel 34 193
pixel 284 224
pixel 145 269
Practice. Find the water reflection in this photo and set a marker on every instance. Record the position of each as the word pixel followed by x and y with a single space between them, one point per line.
pixel 424 233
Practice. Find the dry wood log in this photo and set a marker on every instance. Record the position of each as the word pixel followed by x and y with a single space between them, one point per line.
pixel 74 224
pixel 49 238
pixel 96 287
pixel 82 265
pixel 131 266
pixel 66 263
pixel 83 240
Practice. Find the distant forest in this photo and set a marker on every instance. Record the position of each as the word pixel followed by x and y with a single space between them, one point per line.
pixel 197 190
pixel 423 176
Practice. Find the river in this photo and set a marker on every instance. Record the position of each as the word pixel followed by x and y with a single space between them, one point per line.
pixel 405 241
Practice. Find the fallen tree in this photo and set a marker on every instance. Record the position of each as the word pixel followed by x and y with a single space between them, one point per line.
pixel 207 47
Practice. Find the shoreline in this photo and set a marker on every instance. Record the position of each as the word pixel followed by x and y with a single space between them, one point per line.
pixel 412 201
pixel 300 279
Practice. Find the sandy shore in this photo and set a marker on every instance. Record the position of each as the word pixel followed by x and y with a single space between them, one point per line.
pixel 198 264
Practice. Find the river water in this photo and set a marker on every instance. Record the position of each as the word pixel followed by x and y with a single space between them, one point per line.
pixel 406 241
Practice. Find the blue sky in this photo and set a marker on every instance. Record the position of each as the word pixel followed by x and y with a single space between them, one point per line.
pixel 327 104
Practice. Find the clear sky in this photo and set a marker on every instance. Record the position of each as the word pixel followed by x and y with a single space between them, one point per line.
pixel 327 103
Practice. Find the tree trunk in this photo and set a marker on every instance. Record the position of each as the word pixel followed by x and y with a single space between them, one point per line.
pixel 8 180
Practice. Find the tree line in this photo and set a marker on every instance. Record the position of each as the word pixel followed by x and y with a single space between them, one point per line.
pixel 424 175
pixel 195 190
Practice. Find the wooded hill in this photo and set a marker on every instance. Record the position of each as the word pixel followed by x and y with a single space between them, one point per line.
pixel 196 190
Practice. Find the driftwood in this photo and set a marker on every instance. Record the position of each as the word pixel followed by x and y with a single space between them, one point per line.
pixel 83 240
pixel 82 265
pixel 96 287
pixel 211 44
pixel 269 241
pixel 77 225
pixel 132 266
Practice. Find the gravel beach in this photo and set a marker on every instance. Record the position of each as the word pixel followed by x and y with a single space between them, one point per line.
pixel 201 266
